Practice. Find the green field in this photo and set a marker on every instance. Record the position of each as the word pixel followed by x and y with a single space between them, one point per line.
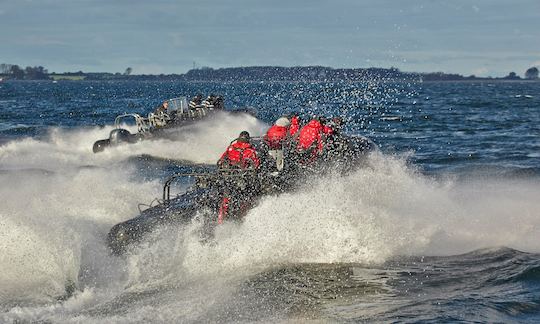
pixel 57 77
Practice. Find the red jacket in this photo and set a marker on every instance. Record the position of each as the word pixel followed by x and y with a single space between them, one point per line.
pixel 295 125
pixel 328 130
pixel 240 154
pixel 275 136
pixel 311 135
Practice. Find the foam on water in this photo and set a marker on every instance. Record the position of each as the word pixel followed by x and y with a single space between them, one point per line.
pixel 381 211
pixel 60 199
pixel 53 224
pixel 202 142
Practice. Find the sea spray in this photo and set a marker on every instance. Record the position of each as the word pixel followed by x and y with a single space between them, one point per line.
pixel 202 142
pixel 53 227
pixel 60 199
pixel 383 210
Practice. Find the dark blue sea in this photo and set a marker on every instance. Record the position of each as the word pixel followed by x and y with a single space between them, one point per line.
pixel 441 224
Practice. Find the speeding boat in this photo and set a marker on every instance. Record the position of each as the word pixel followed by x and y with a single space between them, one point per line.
pixel 158 124
pixel 238 190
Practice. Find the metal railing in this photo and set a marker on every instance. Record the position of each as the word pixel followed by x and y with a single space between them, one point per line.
pixel 142 123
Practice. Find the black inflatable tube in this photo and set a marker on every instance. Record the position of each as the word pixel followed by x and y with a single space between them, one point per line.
pixel 101 145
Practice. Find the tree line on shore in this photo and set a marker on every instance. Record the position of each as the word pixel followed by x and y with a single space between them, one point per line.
pixel 13 71
pixel 255 73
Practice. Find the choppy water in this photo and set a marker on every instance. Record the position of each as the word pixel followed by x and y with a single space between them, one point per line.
pixel 443 225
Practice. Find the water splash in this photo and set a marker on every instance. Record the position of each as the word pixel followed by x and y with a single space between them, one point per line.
pixel 384 210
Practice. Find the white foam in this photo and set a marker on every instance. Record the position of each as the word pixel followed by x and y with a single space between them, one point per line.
pixel 51 223
pixel 202 142
pixel 60 200
pixel 379 212
pixel 52 226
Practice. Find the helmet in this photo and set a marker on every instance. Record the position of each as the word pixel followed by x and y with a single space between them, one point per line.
pixel 244 136
pixel 283 121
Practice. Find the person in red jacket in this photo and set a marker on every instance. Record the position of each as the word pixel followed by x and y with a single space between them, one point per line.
pixel 276 137
pixel 240 153
pixel 311 139
pixel 277 134
pixel 238 192
pixel 295 124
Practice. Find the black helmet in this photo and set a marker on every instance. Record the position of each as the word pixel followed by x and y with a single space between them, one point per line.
pixel 244 136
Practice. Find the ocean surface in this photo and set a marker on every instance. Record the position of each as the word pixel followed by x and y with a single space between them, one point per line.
pixel 442 224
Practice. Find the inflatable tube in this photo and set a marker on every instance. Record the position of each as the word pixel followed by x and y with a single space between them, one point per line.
pixel 101 145
pixel 176 211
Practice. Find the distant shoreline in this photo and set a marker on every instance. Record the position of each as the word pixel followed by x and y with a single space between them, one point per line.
pixel 479 80
pixel 265 73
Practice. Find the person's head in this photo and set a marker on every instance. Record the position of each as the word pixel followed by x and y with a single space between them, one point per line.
pixel 244 137
pixel 283 122
pixel 165 104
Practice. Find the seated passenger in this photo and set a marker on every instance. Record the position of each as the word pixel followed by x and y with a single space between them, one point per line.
pixel 196 101
pixel 160 116
pixel 162 108
pixel 295 124
pixel 311 140
pixel 218 103
pixel 275 138
pixel 239 191
pixel 213 102
pixel 209 101
pixel 277 134
pixel 240 154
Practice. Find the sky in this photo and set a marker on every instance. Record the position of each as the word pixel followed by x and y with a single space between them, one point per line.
pixel 480 37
